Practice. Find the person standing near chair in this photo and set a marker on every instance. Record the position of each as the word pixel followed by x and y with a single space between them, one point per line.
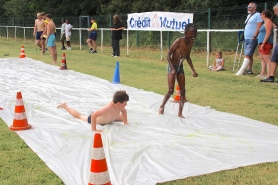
pixel 253 23
pixel 92 40
pixel 265 41
pixel 116 29
pixel 274 58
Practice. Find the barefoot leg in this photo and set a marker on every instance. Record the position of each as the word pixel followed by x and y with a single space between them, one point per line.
pixel 181 82
pixel 171 84
pixel 72 112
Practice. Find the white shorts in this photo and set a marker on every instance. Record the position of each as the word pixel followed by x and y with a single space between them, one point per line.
pixel 68 38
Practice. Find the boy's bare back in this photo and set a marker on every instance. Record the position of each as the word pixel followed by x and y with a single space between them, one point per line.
pixel 108 114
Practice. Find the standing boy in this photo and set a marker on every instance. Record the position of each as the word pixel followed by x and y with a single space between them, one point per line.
pixel 92 40
pixel 179 51
pixel 50 37
pixel 38 30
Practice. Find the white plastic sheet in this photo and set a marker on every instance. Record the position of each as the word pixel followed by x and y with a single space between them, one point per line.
pixel 151 148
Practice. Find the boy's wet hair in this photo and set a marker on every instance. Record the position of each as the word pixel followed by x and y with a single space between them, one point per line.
pixel 120 96
pixel 189 26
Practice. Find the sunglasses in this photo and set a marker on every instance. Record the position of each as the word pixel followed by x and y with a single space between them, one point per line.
pixel 250 7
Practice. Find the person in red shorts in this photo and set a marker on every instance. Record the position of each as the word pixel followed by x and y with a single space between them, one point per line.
pixel 265 41
pixel 274 58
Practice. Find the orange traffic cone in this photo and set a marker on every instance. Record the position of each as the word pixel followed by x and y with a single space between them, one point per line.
pixel 99 170
pixel 20 120
pixel 178 95
pixel 22 54
pixel 64 62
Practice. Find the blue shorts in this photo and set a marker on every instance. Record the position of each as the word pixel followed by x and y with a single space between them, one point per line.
pixel 93 35
pixel 274 57
pixel 38 35
pixel 250 46
pixel 51 40
pixel 179 69
pixel 89 118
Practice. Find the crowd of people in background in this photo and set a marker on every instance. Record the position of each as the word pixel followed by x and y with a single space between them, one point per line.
pixel 258 31
pixel 40 34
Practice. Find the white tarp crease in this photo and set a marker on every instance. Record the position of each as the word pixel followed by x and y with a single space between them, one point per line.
pixel 151 148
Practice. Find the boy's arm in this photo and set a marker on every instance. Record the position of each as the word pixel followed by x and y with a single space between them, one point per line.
pixel 94 117
pixel 124 115
pixel 35 28
pixel 189 61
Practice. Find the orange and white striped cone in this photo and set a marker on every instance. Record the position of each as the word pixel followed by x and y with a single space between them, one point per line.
pixel 20 120
pixel 178 95
pixel 99 174
pixel 22 54
pixel 64 62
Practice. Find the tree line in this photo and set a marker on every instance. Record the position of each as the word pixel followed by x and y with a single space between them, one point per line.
pixel 29 8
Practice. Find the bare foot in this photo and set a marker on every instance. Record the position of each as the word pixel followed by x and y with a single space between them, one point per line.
pixel 161 110
pixel 62 105
pixel 54 62
pixel 181 116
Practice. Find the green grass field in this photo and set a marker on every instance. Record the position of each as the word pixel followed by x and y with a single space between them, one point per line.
pixel 244 95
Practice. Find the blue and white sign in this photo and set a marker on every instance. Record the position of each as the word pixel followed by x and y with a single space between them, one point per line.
pixel 157 21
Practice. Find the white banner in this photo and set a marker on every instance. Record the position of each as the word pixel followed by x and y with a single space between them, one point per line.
pixel 159 21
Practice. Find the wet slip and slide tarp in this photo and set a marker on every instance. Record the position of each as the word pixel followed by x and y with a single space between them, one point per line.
pixel 151 148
